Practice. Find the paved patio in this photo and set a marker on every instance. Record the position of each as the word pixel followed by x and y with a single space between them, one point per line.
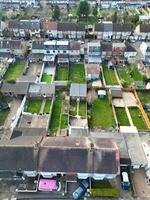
pixel 34 121
pixel 128 100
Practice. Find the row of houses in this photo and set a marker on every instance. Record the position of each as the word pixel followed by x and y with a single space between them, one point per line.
pixel 32 90
pixel 65 51
pixel 18 3
pixel 94 52
pixel 98 157
pixel 52 156
pixel 54 30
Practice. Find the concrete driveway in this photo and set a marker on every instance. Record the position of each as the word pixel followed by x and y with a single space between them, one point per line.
pixel 15 104
pixel 141 187
pixel 34 69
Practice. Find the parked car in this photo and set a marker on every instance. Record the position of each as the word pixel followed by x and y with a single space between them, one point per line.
pixel 125 181
pixel 81 189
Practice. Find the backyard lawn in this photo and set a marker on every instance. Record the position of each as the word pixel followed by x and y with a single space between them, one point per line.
pixel 33 106
pixel 82 108
pixel 145 99
pixel 62 73
pixel 14 71
pixel 122 117
pixel 124 76
pixel 144 96
pixel 137 118
pixel 135 74
pixel 73 108
pixel 46 78
pixel 101 114
pixel 109 75
pixel 77 73
pixel 56 114
pixel 47 106
pixel 64 121
pixel 3 116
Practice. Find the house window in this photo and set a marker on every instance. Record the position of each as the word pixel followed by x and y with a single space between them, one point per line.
pixel 53 51
pixel 64 51
pixel 47 51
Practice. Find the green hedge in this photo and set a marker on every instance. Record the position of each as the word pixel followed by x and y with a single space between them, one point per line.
pixel 105 192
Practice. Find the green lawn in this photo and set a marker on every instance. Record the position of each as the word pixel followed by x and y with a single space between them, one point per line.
pixel 3 116
pixel 14 71
pixel 82 108
pixel 46 78
pixel 73 108
pixel 77 73
pixel 109 75
pixel 105 192
pixel 101 184
pixel 64 121
pixel 33 106
pixel 137 118
pixel 62 74
pixel 122 117
pixel 145 98
pixel 47 106
pixel 135 74
pixel 101 114
pixel 103 189
pixel 124 76
pixel 56 114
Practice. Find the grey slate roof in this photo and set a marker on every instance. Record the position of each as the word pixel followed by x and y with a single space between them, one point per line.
pixel 99 27
pixel 78 90
pixel 106 46
pixel 19 153
pixel 10 44
pixel 39 88
pixel 18 88
pixel 25 24
pixel 108 27
pixel 145 28
pixel 116 91
pixel 122 28
pixel 5 55
pixel 78 155
pixel 38 44
pixel 70 27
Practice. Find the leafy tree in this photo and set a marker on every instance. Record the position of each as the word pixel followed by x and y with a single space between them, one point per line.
pixel 56 13
pixel 115 17
pixel 135 20
pixel 83 9
pixel 95 11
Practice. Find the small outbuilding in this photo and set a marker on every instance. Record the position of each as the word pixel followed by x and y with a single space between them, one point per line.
pixel 101 94
pixel 116 92
pixel 78 91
